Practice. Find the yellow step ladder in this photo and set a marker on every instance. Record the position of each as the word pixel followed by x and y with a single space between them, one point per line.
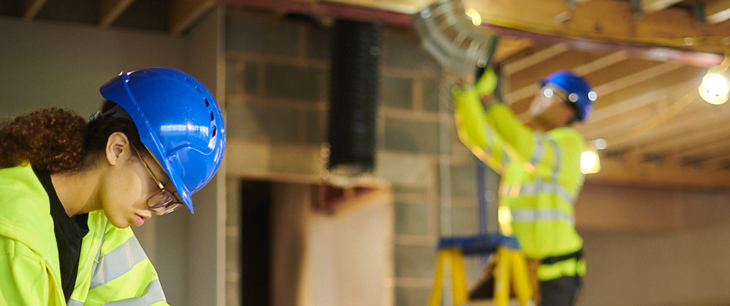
pixel 510 268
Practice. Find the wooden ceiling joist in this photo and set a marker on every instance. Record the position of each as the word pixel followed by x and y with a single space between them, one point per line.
pixel 538 57
pixel 31 8
pixel 618 131
pixel 624 106
pixel 688 138
pixel 508 46
pixel 635 78
pixel 717 162
pixel 699 150
pixel 622 171
pixel 594 20
pixel 707 114
pixel 717 11
pixel 109 11
pixel 601 63
pixel 185 13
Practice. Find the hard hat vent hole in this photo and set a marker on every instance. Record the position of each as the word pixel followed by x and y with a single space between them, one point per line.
pixel 211 116
pixel 206 103
pixel 198 89
pixel 214 129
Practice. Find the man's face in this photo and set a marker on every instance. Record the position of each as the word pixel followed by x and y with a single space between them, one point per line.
pixel 548 109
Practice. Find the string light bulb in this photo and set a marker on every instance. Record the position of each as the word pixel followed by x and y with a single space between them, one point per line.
pixel 590 162
pixel 476 19
pixel 714 87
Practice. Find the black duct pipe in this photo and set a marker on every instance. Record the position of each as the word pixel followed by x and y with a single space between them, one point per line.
pixel 353 97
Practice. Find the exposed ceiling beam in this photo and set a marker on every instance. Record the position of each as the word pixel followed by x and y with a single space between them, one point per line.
pixel 185 12
pixel 624 106
pixel 603 62
pixel 534 59
pixel 635 123
pixel 593 21
pixel 635 78
pixel 717 11
pixel 707 158
pixel 363 11
pixel 626 171
pixel 592 16
pixel 110 10
pixel 715 162
pixel 31 8
pixel 508 46
pixel 703 149
pixel 706 113
pixel 689 138
pixel 651 6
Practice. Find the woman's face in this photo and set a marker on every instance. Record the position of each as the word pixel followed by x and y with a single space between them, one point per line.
pixel 127 186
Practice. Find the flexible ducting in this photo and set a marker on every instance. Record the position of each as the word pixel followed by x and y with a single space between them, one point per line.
pixel 353 97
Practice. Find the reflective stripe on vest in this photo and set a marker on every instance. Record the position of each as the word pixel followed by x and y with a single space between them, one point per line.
pixel 537 155
pixel 532 215
pixel 503 155
pixel 537 187
pixel 540 150
pixel 72 302
pixel 556 149
pixel 153 295
pixel 117 262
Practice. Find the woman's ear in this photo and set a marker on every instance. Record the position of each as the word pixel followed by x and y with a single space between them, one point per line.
pixel 115 147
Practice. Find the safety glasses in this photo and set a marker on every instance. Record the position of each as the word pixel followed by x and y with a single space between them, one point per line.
pixel 548 92
pixel 163 201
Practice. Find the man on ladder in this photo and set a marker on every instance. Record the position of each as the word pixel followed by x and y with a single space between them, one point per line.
pixel 541 176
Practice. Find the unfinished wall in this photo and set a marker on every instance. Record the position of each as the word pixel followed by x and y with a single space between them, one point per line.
pixel 650 247
pixel 276 89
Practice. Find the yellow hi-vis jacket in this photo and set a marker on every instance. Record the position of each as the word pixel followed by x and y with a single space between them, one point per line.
pixel 113 268
pixel 541 179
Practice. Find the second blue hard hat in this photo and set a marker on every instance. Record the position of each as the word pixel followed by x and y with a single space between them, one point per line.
pixel 576 89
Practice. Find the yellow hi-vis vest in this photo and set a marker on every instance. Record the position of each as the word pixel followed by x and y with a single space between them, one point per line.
pixel 113 268
pixel 541 179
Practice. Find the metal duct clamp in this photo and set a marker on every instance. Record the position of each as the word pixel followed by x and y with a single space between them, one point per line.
pixel 449 35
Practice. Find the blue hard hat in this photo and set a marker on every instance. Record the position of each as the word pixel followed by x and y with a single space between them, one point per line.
pixel 576 89
pixel 178 121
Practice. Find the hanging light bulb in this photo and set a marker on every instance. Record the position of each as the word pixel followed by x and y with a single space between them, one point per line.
pixel 589 161
pixel 714 88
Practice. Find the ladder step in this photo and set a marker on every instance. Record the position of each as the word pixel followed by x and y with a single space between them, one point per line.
pixel 486 302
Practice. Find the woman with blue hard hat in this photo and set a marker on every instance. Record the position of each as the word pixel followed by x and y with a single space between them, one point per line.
pixel 539 163
pixel 69 190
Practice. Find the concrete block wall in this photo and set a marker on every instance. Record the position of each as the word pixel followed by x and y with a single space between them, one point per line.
pixel 277 78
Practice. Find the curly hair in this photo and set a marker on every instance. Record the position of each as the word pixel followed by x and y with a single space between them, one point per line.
pixel 55 140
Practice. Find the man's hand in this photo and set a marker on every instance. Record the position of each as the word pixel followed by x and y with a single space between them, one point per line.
pixel 487 82
pixel 464 81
